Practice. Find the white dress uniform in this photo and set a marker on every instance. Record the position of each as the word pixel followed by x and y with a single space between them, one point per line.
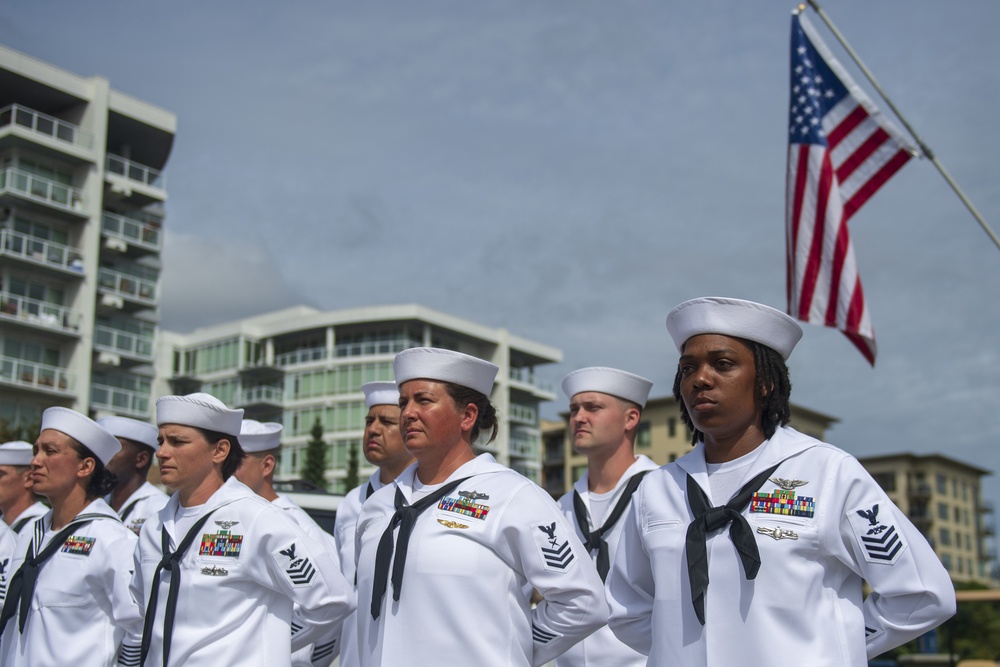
pixel 144 502
pixel 81 608
pixel 822 524
pixel 238 584
pixel 8 545
pixel 344 529
pixel 472 563
pixel 602 649
pixel 323 650
pixel 25 521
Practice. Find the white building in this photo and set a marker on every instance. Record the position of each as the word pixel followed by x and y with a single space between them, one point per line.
pixel 296 365
pixel 81 212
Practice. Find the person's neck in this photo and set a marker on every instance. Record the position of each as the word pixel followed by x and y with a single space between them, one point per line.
pixel 724 449
pixel 605 470
pixel 15 509
pixel 267 492
pixel 199 495
pixel 389 472
pixel 439 469
pixel 67 508
pixel 122 493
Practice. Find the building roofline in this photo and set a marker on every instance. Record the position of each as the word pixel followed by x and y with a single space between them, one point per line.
pixel 923 458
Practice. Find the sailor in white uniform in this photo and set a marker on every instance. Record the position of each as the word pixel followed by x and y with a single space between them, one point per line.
pixel 8 544
pixel 383 448
pixel 262 442
pixel 134 498
pixel 18 503
pixel 68 601
pixel 605 407
pixel 752 548
pixel 472 536
pixel 219 568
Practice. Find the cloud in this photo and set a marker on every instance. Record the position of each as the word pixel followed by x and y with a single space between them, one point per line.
pixel 209 280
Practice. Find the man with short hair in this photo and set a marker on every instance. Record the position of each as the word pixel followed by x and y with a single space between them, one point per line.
pixel 134 498
pixel 383 448
pixel 605 407
pixel 18 503
pixel 262 442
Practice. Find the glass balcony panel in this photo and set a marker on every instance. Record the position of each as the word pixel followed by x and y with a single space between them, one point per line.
pixel 34 374
pixel 131 230
pixel 43 189
pixel 137 289
pixel 134 171
pixel 46 125
pixel 122 342
pixel 39 250
pixel 125 401
pixel 51 315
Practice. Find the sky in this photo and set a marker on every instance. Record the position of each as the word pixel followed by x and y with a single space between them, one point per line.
pixel 568 170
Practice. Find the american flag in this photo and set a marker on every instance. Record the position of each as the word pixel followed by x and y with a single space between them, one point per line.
pixel 841 150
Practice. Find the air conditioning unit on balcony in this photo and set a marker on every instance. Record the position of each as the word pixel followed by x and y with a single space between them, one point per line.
pixel 109 359
pixel 118 245
pixel 112 301
pixel 121 189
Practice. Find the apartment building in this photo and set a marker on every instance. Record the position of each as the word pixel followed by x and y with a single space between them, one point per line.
pixel 661 436
pixel 297 365
pixel 943 498
pixel 81 214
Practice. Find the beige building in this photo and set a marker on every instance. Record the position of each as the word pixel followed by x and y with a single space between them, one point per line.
pixel 81 215
pixel 662 437
pixel 942 497
pixel 300 364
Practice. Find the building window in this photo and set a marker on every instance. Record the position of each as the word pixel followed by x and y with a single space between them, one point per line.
pixel 942 484
pixel 643 436
pixel 965 490
pixel 943 511
pixel 578 472
pixel 672 427
pixel 958 515
pixel 944 536
pixel 961 566
pixel 887 480
pixel 946 561
pixel 673 457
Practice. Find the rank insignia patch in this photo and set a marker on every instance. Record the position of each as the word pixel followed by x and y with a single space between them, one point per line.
pixel 464 507
pixel 78 546
pixel 451 524
pixel 221 544
pixel 556 553
pixel 299 570
pixel 541 636
pixel 879 540
pixel 783 503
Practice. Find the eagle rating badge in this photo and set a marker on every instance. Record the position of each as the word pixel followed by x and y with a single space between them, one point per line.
pixel 555 552
pixel 297 568
pixel 879 540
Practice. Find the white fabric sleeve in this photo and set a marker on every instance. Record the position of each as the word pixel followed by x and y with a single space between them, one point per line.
pixel 630 585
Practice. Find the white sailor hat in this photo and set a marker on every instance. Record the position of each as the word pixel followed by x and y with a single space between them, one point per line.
pixel 84 430
pixel 611 381
pixel 132 429
pixel 734 317
pixel 432 363
pixel 260 437
pixel 200 410
pixel 16 453
pixel 380 393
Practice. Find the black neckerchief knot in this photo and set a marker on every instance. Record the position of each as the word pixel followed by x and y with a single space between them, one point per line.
pixel 594 540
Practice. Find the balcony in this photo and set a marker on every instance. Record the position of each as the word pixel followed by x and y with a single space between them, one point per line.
pixel 40 126
pixel 121 401
pixel 38 314
pixel 985 507
pixel 261 395
pixel 920 491
pixel 523 414
pixel 524 445
pixel 33 375
pixel 116 341
pixel 40 252
pixel 41 190
pixel 525 377
pixel 133 181
pixel 145 235
pixel 304 355
pixel 117 284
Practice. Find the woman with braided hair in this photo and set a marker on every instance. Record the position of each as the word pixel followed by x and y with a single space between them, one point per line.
pixel 472 536
pixel 785 527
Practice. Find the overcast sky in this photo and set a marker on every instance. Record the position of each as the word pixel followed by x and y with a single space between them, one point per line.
pixel 569 170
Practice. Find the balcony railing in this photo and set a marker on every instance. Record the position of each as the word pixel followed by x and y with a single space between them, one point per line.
pixel 134 171
pixel 123 342
pixel 302 356
pixel 262 394
pixel 33 374
pixel 32 248
pixel 41 189
pixel 136 289
pixel 125 401
pixel 132 231
pixel 524 445
pixel 364 348
pixel 44 125
pixel 526 375
pixel 523 413
pixel 42 313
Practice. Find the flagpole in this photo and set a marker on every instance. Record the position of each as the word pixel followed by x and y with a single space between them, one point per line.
pixel 923 147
